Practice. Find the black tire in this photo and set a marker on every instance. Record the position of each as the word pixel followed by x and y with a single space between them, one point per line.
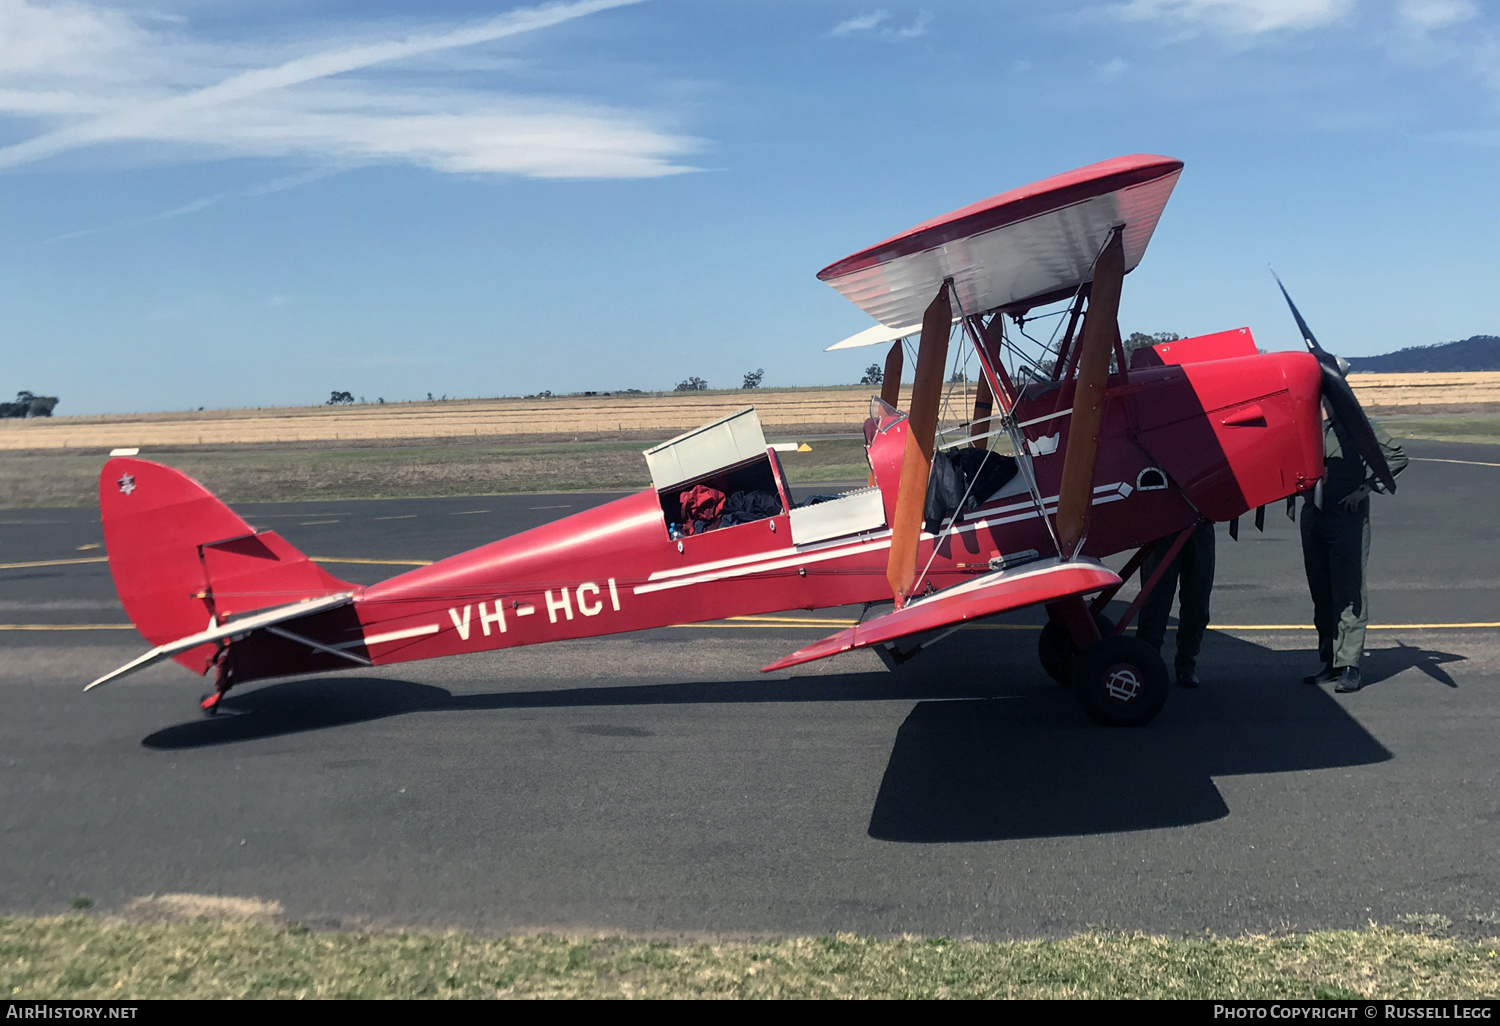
pixel 1057 652
pixel 1121 682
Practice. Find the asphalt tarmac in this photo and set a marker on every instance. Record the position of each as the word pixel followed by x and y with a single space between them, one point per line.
pixel 657 783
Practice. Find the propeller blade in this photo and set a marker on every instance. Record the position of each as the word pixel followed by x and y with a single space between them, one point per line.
pixel 1234 529
pixel 1096 342
pixel 921 430
pixel 1345 410
pixel 1260 519
pixel 1343 406
pixel 1307 335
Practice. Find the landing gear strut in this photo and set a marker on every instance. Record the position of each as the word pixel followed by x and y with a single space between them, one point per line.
pixel 1058 652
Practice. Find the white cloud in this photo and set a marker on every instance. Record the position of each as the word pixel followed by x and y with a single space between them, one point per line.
pixel 875 19
pixel 1426 15
pixel 1428 36
pixel 92 76
pixel 1239 17
pixel 1111 69
pixel 916 28
pixel 860 23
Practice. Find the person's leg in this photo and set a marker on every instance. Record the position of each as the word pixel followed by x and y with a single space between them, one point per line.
pixel 1351 556
pixel 1151 620
pixel 1196 580
pixel 1315 560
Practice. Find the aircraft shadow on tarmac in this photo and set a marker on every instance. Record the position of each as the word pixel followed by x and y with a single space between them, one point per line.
pixel 984 755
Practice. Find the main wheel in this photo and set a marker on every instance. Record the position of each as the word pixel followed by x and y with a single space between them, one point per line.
pixel 1057 652
pixel 1121 682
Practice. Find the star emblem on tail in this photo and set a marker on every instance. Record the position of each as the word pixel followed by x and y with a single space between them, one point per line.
pixel 127 484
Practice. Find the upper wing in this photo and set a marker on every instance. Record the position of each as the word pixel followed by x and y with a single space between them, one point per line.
pixel 1022 247
pixel 1044 581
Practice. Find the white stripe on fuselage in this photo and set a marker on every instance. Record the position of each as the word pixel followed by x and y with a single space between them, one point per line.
pixel 781 559
pixel 376 639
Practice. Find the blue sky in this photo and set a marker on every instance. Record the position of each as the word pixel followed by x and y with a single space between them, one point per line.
pixel 256 203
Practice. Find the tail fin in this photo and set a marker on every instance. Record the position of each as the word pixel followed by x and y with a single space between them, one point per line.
pixel 183 561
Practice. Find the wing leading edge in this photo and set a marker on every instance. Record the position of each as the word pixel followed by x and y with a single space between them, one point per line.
pixel 1001 591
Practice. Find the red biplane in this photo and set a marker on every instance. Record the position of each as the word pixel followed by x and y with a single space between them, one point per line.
pixel 1108 456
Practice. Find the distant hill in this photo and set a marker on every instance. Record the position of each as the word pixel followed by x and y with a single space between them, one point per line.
pixel 1480 353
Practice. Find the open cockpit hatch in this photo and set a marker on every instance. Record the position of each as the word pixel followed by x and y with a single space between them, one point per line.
pixel 720 475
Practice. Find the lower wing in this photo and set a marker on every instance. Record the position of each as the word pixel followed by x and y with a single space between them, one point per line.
pixel 1044 581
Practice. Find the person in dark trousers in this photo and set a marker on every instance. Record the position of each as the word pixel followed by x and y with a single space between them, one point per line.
pixel 1192 572
pixel 1336 552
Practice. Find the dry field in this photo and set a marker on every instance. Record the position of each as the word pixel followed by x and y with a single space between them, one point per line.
pixel 270 474
pixel 1388 395
pixel 783 412
pixel 656 416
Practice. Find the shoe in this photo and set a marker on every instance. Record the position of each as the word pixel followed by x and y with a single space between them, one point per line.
pixel 1187 677
pixel 1348 680
pixel 1327 675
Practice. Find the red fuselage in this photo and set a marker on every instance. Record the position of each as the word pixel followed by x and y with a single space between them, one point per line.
pixel 1213 437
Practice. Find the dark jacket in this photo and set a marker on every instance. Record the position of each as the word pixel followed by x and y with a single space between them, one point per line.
pixel 1346 473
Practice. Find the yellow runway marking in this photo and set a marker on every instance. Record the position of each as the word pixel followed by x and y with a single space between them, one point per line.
pixel 315 559
pixel 771 623
pixel 53 562
pixel 1467 463
pixel 1372 627
pixel 805 625
pixel 67 627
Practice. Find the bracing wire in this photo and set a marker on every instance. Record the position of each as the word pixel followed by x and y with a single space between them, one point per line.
pixel 952 523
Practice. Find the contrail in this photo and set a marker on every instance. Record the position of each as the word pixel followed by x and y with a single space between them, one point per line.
pixel 138 121
pixel 203 203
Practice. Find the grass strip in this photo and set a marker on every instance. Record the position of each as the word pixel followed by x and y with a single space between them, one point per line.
pixel 1436 429
pixel 87 957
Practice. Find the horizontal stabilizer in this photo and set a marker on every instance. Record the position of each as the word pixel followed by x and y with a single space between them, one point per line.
pixel 218 632
pixel 1044 581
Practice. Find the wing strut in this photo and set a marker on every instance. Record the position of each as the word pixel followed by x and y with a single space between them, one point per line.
pixel 916 463
pixel 1095 342
pixel 890 383
pixel 1004 390
pixel 984 405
